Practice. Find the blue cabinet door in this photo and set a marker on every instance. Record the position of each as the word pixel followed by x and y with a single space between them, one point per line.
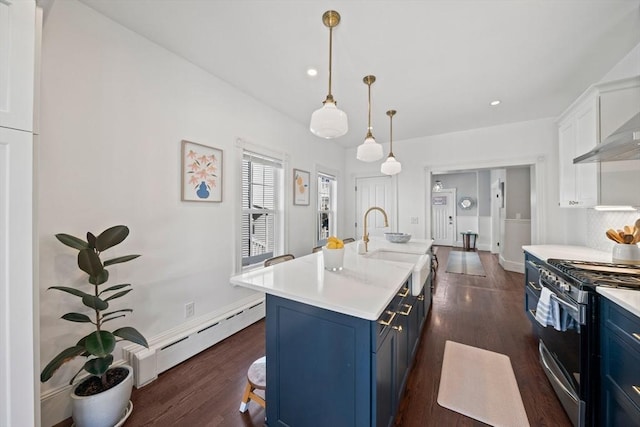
pixel 619 370
pixel 318 366
pixel 384 371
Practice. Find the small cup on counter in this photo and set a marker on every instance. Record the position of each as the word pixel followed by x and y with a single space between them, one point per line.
pixel 333 258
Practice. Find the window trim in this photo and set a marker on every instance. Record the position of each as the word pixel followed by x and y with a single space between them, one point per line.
pixel 335 173
pixel 242 146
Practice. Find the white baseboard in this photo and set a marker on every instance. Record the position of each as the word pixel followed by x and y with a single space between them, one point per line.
pixel 517 267
pixel 166 350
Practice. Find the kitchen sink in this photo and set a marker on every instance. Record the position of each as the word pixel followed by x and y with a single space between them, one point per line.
pixel 393 256
pixel 421 265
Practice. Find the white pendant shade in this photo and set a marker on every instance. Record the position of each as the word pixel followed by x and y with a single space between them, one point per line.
pixel 369 150
pixel 329 121
pixel 391 166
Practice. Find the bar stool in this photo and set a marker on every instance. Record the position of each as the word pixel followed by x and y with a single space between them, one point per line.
pixel 256 380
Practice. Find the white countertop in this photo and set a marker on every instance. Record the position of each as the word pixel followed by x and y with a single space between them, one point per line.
pixel 628 299
pixel 363 288
pixel 575 253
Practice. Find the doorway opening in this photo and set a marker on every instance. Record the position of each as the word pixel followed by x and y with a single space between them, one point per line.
pixel 503 204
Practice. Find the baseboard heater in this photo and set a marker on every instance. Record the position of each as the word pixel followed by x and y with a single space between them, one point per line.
pixel 179 344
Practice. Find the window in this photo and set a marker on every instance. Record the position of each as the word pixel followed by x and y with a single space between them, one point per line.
pixel 262 228
pixel 326 222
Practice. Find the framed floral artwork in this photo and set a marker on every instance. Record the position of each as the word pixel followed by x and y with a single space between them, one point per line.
pixel 201 173
pixel 301 187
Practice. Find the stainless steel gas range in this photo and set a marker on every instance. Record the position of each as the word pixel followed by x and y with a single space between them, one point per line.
pixel 569 349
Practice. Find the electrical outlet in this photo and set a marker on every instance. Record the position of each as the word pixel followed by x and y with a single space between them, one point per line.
pixel 189 309
pixel 414 220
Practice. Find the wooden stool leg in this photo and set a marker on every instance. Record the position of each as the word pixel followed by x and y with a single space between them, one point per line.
pixel 245 397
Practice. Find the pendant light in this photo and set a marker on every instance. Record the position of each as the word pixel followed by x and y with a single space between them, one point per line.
pixel 329 121
pixel 369 150
pixel 391 166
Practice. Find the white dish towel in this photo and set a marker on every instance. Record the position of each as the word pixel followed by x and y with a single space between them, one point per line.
pixel 548 311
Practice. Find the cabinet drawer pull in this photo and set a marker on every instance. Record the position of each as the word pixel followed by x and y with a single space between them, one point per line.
pixel 636 389
pixel 408 307
pixel 404 292
pixel 420 297
pixel 397 328
pixel 636 336
pixel 534 287
pixel 388 322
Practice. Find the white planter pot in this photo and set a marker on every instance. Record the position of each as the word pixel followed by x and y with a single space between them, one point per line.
pixel 105 409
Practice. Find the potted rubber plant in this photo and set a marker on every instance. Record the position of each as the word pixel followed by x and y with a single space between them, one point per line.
pixel 101 399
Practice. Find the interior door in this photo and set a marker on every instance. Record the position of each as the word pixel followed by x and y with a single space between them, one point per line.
pixel 375 191
pixel 443 217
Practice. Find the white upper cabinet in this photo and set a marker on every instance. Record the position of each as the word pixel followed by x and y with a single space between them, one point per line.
pixel 578 133
pixel 594 116
pixel 17 59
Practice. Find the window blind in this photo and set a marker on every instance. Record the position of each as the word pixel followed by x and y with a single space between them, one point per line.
pixel 260 201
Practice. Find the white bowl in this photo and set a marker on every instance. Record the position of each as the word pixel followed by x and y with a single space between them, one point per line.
pixel 397 237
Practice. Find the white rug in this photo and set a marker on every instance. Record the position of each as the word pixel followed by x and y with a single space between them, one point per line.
pixel 481 384
pixel 465 263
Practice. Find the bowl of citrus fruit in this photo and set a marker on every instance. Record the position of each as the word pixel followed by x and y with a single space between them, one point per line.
pixel 333 254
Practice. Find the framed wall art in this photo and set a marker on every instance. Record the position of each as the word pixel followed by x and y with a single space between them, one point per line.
pixel 301 187
pixel 201 173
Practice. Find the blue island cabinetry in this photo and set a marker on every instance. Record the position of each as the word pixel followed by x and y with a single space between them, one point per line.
pixel 330 369
pixel 620 366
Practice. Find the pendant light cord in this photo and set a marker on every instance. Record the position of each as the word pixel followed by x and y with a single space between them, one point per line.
pixel 391 136
pixel 330 59
pixel 369 108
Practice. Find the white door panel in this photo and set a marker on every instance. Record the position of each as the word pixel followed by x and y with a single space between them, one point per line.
pixel 443 217
pixel 375 191
pixel 17 376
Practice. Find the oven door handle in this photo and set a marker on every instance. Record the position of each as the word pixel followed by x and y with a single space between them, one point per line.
pixel 574 309
pixel 543 358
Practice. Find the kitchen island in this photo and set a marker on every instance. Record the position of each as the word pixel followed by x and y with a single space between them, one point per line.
pixel 340 344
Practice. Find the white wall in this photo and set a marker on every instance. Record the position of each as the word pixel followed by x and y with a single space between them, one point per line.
pixel 518 189
pixel 498 146
pixel 627 67
pixel 114 110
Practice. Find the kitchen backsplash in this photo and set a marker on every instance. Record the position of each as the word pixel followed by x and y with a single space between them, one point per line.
pixel 598 222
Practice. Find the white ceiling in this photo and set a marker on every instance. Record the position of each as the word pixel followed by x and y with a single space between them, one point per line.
pixel 439 63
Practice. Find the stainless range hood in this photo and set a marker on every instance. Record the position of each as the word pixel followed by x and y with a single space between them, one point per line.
pixel 623 144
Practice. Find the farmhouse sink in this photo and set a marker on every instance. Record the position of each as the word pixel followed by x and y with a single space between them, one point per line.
pixel 421 265
pixel 393 256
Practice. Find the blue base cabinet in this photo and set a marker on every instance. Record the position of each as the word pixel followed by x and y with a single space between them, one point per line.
pixel 620 366
pixel 532 285
pixel 330 369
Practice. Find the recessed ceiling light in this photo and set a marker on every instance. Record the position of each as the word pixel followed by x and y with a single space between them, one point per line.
pixel 496 102
pixel 312 72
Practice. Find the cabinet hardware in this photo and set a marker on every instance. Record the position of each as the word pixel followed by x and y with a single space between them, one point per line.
pixel 388 322
pixel 397 328
pixel 636 389
pixel 404 292
pixel 420 297
pixel 534 287
pixel 636 336
pixel 408 307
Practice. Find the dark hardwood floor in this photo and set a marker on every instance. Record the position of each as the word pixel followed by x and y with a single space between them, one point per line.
pixel 485 312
